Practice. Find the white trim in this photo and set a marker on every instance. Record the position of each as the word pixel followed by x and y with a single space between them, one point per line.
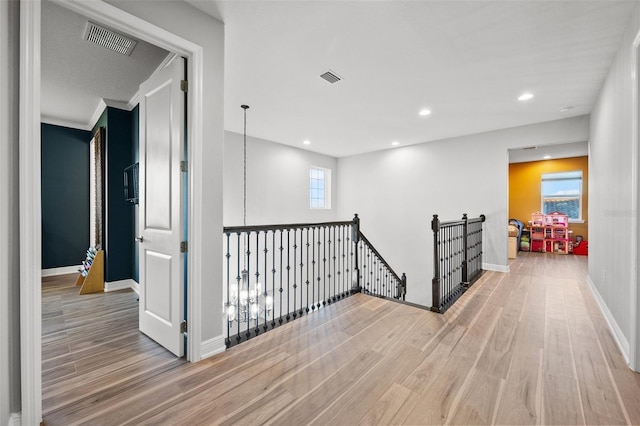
pixel 120 285
pixel 54 121
pixel 618 336
pixel 63 270
pixel 135 286
pixel 495 268
pixel 634 348
pixel 213 347
pixel 30 189
pixel 117 104
pixel 30 215
pixel 14 419
pixel 97 114
pixel 195 220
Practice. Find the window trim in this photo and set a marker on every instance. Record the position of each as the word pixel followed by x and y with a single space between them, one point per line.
pixel 568 175
pixel 326 189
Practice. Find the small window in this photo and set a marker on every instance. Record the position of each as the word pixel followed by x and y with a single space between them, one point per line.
pixel 562 192
pixel 319 188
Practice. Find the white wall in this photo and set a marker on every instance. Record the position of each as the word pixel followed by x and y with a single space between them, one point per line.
pixel 611 212
pixel 9 238
pixel 184 20
pixel 277 183
pixel 397 191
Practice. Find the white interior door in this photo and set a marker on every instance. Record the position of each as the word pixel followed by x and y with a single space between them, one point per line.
pixel 161 216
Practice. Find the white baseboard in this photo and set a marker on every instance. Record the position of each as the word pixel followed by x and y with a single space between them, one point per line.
pixel 618 336
pixel 120 285
pixel 14 419
pixel 212 347
pixel 495 268
pixel 135 287
pixel 51 272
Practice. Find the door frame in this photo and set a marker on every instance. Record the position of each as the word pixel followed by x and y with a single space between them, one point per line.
pixel 30 184
pixel 634 343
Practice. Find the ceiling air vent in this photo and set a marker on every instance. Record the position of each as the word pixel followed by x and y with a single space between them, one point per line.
pixel 330 77
pixel 109 39
pixel 530 147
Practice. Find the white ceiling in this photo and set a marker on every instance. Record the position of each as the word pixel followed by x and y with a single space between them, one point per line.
pixel 467 61
pixel 78 74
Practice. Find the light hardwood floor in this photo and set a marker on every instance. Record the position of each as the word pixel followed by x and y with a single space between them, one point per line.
pixel 528 347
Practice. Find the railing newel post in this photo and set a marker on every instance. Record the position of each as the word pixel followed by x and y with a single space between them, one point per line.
pixel 465 259
pixel 435 283
pixel 355 238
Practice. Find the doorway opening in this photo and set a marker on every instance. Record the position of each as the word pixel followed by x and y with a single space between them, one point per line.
pixel 30 192
pixel 544 180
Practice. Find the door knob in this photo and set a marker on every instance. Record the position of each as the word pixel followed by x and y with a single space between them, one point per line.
pixel 140 239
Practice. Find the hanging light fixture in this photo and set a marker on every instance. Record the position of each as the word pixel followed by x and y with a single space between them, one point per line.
pixel 243 301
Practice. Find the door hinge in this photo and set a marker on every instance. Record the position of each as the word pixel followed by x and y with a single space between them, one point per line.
pixel 184 85
pixel 184 166
pixel 183 327
pixel 183 247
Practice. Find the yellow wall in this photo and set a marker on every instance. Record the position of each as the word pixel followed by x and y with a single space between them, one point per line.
pixel 524 188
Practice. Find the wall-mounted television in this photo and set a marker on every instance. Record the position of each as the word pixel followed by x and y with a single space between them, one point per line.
pixel 131 180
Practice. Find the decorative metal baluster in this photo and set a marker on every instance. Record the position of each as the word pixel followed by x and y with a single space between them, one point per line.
pixel 273 278
pixel 324 266
pixel 371 268
pixel 281 278
pixel 377 266
pixel 329 276
pixel 319 266
pixel 307 282
pixel 248 278
pixel 227 341
pixel 257 301
pixel 239 281
pixel 448 230
pixel 288 274
pixel 295 275
pixel 313 271
pixel 334 296
pixel 363 266
pixel 350 265
pixel 265 327
pixel 301 271
pixel 342 259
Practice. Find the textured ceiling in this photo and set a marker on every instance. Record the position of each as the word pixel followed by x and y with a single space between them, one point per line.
pixel 465 61
pixel 78 74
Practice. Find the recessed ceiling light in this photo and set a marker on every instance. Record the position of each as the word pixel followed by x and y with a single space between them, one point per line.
pixel 425 112
pixel 525 96
pixel 547 157
pixel 395 143
pixel 307 142
pixel 567 108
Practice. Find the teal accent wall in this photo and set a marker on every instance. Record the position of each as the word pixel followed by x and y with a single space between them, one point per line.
pixel 65 195
pixel 120 223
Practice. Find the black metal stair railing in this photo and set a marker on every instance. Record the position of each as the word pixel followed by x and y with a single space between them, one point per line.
pixel 276 273
pixel 457 259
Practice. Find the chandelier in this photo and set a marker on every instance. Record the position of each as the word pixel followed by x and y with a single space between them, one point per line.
pixel 244 303
pixel 243 300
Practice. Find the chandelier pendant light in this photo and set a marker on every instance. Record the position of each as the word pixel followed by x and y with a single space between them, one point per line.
pixel 243 301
